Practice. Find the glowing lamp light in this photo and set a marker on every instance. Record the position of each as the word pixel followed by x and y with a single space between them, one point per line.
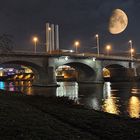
pixel 71 51
pixel 96 35
pixel 77 43
pixel 108 47
pixel 49 28
pixel 130 41
pixel 132 50
pixel 93 59
pixel 35 39
pixel 66 58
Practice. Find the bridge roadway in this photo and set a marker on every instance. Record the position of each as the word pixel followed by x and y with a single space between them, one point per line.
pixel 73 55
pixel 89 66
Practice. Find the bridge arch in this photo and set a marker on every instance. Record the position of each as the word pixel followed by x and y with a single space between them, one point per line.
pixel 85 73
pixel 115 71
pixel 39 72
pixel 118 64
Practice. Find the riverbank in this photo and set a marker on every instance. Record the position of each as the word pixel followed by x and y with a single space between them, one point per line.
pixel 41 118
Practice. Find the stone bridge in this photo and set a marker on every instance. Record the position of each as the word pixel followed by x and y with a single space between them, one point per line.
pixel 88 66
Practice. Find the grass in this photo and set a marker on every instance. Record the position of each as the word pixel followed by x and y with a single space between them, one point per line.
pixel 40 118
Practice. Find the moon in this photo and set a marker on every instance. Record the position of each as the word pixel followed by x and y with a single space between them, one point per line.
pixel 118 21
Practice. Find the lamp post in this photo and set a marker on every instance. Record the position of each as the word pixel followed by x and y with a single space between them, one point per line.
pixel 35 39
pixel 108 48
pixel 131 49
pixel 76 44
pixel 97 44
pixel 50 39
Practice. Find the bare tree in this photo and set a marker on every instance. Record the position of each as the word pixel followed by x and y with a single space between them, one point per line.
pixel 6 43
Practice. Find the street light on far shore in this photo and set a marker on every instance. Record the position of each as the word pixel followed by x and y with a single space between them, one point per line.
pixel 76 44
pixel 35 40
pixel 108 48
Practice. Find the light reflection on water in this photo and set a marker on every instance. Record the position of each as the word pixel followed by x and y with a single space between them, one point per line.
pixel 134 107
pixel 115 98
pixel 110 101
pixel 68 89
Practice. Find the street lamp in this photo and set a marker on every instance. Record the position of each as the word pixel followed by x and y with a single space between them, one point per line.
pixel 108 48
pixel 97 44
pixel 131 52
pixel 76 44
pixel 35 40
pixel 49 39
pixel 131 49
pixel 49 28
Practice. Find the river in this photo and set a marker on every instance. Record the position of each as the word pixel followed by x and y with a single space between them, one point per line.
pixel 116 98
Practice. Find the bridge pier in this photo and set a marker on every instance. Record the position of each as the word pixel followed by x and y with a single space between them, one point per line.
pixel 46 78
pixel 91 77
pixel 99 76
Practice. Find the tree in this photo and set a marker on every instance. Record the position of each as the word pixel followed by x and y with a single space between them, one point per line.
pixel 6 43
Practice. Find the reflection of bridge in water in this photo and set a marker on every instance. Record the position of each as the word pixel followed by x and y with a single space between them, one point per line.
pixel 89 66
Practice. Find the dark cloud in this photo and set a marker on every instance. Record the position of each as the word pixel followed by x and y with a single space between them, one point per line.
pixel 78 19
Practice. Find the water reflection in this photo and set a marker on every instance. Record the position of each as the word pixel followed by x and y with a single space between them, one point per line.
pixel 17 86
pixel 2 85
pixel 68 89
pixel 115 98
pixel 134 107
pixel 107 90
pixel 110 105
pixel 110 102
pixel 90 95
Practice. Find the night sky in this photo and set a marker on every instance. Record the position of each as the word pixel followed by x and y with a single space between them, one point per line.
pixel 78 20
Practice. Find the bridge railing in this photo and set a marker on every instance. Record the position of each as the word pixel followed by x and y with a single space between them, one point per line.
pixel 80 55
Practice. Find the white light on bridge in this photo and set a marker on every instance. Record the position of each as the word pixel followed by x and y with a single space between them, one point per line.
pixel 93 59
pixel 49 28
pixel 66 58
pixel 71 51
